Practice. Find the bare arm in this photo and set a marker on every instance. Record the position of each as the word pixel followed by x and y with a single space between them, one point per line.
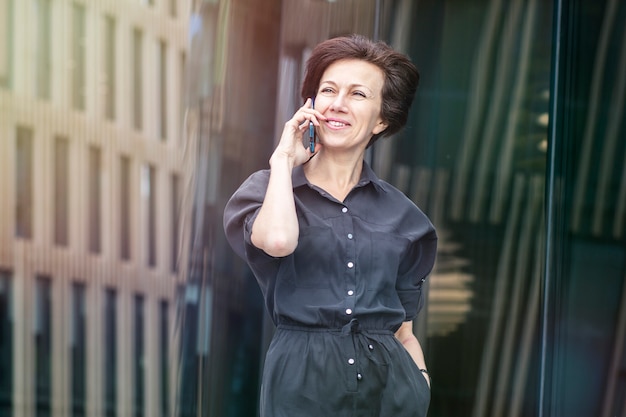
pixel 275 229
pixel 412 345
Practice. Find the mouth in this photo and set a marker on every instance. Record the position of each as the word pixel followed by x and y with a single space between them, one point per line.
pixel 337 123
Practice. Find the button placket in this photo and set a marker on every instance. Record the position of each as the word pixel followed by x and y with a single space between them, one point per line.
pixel 350 263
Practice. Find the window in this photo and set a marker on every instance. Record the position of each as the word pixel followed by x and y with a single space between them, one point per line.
pixel 164 363
pixel 44 49
pixel 149 192
pixel 6 344
pixel 24 183
pixel 183 86
pixel 78 57
pixel 174 8
pixel 162 89
pixel 78 351
pixel 6 42
pixel 124 188
pixel 138 358
pixel 138 75
pixel 110 353
pixel 95 199
pixel 175 226
pixel 61 190
pixel 43 346
pixel 110 51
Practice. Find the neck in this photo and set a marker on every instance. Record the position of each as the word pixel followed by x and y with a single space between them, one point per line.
pixel 335 175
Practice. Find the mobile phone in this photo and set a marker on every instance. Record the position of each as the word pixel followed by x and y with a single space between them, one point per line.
pixel 312 131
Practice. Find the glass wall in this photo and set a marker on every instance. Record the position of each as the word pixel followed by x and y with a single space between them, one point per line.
pixel 585 314
pixel 515 148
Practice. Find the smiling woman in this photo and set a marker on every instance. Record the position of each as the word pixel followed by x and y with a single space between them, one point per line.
pixel 344 343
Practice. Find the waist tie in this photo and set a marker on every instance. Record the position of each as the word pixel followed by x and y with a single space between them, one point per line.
pixel 362 350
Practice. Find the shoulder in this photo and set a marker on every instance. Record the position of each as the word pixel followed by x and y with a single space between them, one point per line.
pixel 411 220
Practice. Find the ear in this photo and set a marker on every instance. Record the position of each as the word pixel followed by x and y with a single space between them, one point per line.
pixel 379 127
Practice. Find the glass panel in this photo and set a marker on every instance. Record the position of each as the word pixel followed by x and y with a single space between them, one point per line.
pixel 78 351
pixel 473 157
pixel 164 344
pixel 149 191
pixel 176 198
pixel 585 293
pixel 95 199
pixel 125 208
pixel 162 89
pixel 6 43
pixel 79 56
pixel 42 333
pixel 137 77
pixel 61 190
pixel 110 63
pixel 139 375
pixel 24 177
pixel 44 48
pixel 109 363
pixel 6 343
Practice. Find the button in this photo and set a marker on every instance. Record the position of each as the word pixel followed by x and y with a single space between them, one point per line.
pixel 370 347
pixel 348 311
pixel 359 376
pixel 350 264
pixel 351 361
pixel 350 236
pixel 350 292
pixel 344 210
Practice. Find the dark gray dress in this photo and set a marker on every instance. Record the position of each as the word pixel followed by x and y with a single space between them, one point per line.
pixel 337 301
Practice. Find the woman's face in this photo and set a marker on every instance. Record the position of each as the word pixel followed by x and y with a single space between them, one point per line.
pixel 350 96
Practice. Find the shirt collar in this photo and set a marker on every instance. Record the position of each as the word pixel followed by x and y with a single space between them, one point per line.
pixel 298 178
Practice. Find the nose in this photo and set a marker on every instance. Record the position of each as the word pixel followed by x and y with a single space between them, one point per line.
pixel 339 103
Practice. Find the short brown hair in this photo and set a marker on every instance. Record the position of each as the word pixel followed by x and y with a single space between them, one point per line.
pixel 400 75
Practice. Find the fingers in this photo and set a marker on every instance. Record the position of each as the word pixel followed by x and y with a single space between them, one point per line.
pixel 306 114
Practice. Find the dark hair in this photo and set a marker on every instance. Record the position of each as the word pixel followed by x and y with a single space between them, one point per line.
pixel 400 75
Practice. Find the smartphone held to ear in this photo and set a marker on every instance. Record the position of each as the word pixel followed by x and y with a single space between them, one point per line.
pixel 312 131
pixel 311 137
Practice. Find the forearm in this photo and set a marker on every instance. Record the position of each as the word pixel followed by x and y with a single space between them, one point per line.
pixel 413 347
pixel 275 229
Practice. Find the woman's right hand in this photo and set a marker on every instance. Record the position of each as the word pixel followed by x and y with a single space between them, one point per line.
pixel 291 144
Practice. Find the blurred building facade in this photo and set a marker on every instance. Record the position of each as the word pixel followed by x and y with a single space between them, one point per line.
pixel 91 175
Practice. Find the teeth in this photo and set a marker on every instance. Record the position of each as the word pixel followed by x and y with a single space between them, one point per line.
pixel 336 124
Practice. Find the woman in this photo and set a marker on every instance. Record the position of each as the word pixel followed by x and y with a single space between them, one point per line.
pixel 339 254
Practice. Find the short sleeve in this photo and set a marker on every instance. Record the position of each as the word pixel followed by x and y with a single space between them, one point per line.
pixel 239 214
pixel 417 263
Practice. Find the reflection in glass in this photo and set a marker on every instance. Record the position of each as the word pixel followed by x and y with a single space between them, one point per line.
pixel 6 43
pixel 139 372
pixel 61 190
pixel 6 343
pixel 137 78
pixel 94 193
pixel 78 351
pixel 79 56
pixel 109 76
pixel 44 48
pixel 42 333
pixel 24 183
pixel 110 355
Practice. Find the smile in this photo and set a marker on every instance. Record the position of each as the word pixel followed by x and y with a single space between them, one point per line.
pixel 335 123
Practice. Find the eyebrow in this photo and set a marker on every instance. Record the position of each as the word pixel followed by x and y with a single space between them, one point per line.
pixel 351 85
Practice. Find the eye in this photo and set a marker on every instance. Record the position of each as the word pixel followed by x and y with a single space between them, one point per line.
pixel 326 90
pixel 359 94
